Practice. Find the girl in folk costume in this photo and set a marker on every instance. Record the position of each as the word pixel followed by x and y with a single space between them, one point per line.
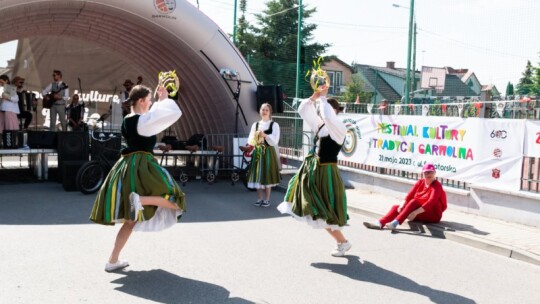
pixel 264 171
pixel 316 193
pixel 137 191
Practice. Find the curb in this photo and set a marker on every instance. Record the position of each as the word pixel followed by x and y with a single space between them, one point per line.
pixel 479 243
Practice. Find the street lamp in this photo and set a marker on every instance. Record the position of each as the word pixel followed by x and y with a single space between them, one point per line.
pixel 409 45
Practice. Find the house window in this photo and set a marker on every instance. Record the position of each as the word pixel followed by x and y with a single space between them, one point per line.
pixel 332 88
pixel 339 82
pixel 336 81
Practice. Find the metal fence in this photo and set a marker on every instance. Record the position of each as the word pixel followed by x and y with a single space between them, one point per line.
pixel 514 109
pixel 530 177
pixel 293 138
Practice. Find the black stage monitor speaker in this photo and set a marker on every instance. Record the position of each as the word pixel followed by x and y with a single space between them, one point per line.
pixel 69 174
pixel 266 94
pixel 73 146
pixel 42 139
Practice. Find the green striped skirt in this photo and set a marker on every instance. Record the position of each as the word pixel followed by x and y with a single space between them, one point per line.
pixel 264 170
pixel 137 172
pixel 316 195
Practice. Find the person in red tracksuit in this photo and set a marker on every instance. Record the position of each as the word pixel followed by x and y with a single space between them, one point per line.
pixel 425 202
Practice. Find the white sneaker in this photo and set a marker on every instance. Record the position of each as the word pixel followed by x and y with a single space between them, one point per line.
pixel 120 264
pixel 392 225
pixel 341 249
pixel 135 205
pixel 375 225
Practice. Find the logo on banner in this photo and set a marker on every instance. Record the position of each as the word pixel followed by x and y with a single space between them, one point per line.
pixel 498 134
pixel 495 173
pixel 497 153
pixel 351 138
pixel 165 6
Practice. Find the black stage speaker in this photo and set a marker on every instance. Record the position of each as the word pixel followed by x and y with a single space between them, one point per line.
pixel 42 139
pixel 279 99
pixel 69 174
pixel 266 94
pixel 110 144
pixel 73 146
pixel 12 139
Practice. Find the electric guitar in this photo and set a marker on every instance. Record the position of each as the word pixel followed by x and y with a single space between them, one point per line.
pixel 48 100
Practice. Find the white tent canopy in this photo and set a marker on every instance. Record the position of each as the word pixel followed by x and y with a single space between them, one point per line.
pixel 103 42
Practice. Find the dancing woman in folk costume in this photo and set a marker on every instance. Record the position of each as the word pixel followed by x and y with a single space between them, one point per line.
pixel 316 193
pixel 264 170
pixel 137 191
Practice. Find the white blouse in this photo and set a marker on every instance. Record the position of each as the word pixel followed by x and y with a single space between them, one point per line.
pixel 271 139
pixel 332 124
pixel 9 100
pixel 161 115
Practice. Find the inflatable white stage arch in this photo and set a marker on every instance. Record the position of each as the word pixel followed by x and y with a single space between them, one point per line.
pixel 139 37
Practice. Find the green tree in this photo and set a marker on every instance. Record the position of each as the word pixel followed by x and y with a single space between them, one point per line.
pixel 245 38
pixel 274 48
pixel 509 89
pixel 278 28
pixel 525 85
pixel 355 88
pixel 536 81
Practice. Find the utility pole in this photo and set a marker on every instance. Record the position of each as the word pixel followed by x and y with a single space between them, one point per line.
pixel 234 23
pixel 409 46
pixel 413 72
pixel 298 46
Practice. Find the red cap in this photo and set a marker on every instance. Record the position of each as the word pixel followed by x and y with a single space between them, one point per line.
pixel 428 167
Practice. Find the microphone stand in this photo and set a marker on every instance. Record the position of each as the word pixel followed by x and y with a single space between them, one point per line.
pixel 35 111
pixel 236 96
pixel 81 95
pixel 111 110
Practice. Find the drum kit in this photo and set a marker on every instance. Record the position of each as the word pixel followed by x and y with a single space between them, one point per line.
pixel 96 121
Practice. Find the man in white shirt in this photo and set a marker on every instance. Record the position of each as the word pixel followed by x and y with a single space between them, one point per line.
pixel 59 94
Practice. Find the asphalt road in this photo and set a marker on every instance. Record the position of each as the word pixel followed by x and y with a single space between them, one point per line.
pixel 226 250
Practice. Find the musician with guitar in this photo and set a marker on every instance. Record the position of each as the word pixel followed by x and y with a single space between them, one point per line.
pixel 55 97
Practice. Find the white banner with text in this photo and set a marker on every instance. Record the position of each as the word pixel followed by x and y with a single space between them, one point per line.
pixel 474 150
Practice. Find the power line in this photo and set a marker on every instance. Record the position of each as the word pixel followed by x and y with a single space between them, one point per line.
pixel 471 46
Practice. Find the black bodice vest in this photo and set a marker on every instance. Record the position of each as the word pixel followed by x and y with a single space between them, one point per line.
pixel 269 131
pixel 328 149
pixel 136 142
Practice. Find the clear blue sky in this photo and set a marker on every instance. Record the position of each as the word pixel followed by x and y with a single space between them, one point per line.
pixel 493 38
